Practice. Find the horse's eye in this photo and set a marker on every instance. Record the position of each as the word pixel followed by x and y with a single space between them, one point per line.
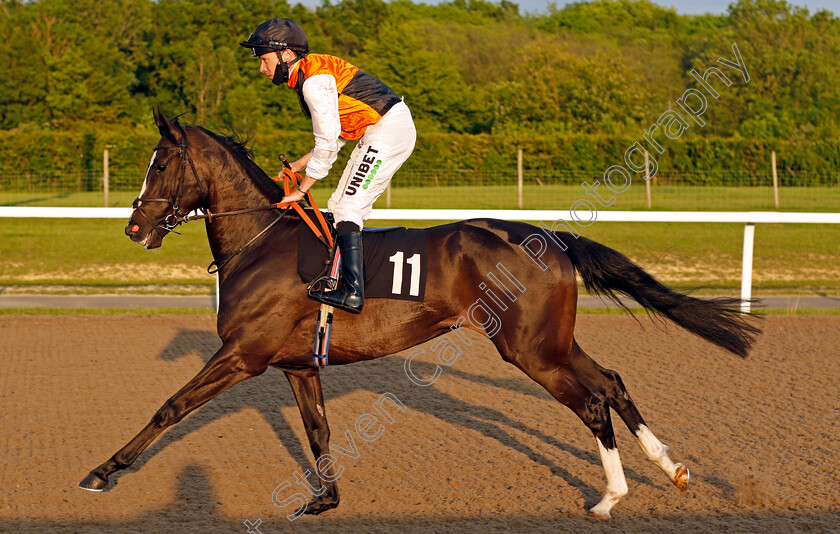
pixel 161 167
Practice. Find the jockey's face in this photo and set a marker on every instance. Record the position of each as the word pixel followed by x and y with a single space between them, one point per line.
pixel 268 62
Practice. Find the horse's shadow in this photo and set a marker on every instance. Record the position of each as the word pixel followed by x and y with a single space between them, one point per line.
pixel 342 380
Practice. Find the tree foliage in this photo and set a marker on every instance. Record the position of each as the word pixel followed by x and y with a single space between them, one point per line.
pixel 600 70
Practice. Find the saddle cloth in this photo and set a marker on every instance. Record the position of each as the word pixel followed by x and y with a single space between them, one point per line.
pixel 394 261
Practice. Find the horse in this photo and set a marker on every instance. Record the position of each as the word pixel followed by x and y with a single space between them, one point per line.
pixel 266 320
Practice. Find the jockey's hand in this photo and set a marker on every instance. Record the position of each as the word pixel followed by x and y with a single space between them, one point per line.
pixel 294 196
pixel 305 185
pixel 299 165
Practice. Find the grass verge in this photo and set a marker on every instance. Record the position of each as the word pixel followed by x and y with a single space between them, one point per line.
pixel 534 196
pixel 95 257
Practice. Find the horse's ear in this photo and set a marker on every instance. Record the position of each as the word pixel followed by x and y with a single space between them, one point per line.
pixel 168 129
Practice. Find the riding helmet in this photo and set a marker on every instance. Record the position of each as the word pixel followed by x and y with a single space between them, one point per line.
pixel 277 35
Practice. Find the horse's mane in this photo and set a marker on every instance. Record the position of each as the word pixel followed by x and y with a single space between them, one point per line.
pixel 239 150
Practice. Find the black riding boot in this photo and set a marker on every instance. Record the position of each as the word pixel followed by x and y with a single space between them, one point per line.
pixel 350 294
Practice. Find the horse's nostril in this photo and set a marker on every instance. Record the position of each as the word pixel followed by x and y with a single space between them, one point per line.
pixel 135 228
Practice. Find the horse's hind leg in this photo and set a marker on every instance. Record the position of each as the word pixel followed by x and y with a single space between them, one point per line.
pixel 225 368
pixel 610 385
pixel 558 377
pixel 306 383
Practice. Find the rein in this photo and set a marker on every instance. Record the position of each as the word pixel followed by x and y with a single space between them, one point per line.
pixel 175 218
pixel 216 265
pixel 290 180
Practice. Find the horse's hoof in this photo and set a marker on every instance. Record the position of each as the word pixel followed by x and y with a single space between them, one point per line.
pixel 320 506
pixel 603 516
pixel 93 482
pixel 681 477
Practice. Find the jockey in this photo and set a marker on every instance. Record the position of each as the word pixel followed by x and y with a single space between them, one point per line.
pixel 344 103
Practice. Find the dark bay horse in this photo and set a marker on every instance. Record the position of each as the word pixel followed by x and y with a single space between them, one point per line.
pixel 265 318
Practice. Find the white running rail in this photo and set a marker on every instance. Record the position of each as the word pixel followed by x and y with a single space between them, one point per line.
pixel 748 218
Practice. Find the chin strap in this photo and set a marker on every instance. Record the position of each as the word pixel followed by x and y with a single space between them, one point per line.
pixel 283 70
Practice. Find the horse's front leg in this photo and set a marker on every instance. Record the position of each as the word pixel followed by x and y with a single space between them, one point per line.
pixel 227 367
pixel 306 383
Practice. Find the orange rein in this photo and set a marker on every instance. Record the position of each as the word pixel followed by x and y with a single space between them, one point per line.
pixel 291 181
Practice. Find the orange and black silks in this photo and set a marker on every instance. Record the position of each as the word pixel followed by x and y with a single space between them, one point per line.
pixel 362 98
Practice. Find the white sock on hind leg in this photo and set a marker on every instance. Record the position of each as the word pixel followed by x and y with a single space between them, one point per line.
pixel 656 451
pixel 616 483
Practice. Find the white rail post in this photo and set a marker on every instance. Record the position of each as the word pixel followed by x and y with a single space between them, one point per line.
pixel 775 179
pixel 106 175
pixel 647 177
pixel 746 268
pixel 519 177
pixel 216 295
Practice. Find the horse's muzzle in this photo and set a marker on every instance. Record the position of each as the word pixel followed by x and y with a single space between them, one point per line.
pixel 131 229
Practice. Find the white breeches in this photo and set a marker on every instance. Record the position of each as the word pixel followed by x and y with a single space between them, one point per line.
pixel 379 154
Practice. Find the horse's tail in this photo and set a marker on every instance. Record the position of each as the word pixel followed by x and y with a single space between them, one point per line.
pixel 605 271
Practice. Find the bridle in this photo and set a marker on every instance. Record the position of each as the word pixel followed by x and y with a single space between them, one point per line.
pixel 176 188
pixel 176 193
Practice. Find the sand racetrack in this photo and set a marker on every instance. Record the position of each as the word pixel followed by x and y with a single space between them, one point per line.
pixel 482 449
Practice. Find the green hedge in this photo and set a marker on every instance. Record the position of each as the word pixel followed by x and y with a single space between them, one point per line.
pixel 708 161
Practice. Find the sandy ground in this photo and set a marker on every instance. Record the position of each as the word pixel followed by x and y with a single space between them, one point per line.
pixel 483 449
